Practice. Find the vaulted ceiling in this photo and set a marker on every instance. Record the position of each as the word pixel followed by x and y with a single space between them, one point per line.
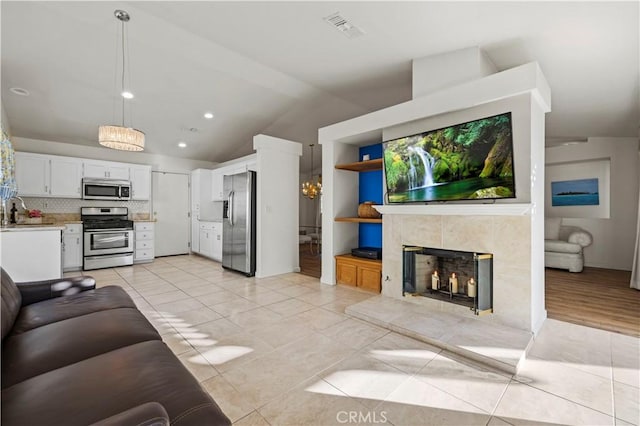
pixel 279 68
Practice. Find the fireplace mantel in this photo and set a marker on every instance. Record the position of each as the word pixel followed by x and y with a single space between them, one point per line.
pixel 504 209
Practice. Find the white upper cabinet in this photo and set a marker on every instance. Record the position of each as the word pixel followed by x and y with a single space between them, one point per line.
pixel 106 170
pixel 140 182
pixel 217 193
pixel 66 177
pixel 42 175
pixel 32 174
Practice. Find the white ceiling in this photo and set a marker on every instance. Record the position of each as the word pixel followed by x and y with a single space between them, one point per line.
pixel 277 68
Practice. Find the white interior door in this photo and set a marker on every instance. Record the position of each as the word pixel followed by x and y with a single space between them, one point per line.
pixel 171 212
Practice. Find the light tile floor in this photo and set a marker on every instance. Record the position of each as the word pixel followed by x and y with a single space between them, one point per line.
pixel 281 351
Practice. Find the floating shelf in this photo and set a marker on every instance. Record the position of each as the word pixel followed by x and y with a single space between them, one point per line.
pixel 362 166
pixel 358 220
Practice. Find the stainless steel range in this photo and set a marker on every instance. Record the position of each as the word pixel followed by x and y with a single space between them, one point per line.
pixel 108 237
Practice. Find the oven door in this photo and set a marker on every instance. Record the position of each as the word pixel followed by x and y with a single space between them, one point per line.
pixel 108 241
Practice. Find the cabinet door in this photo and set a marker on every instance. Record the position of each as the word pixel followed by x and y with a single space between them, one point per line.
pixel 66 177
pixel 71 251
pixel 369 278
pixel 95 169
pixel 217 178
pixel 346 273
pixel 32 174
pixel 217 242
pixel 140 182
pixel 118 171
pixel 205 243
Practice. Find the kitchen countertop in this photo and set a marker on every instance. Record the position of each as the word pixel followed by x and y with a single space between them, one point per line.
pixel 35 227
pixel 210 220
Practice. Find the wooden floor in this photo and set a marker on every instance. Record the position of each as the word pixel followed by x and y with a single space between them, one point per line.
pixel 310 262
pixel 599 298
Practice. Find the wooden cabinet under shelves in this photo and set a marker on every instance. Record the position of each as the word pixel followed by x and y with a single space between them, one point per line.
pixel 359 272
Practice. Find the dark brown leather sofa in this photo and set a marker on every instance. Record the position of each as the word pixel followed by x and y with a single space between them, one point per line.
pixel 74 355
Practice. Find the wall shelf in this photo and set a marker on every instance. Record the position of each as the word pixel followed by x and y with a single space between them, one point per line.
pixel 358 219
pixel 362 166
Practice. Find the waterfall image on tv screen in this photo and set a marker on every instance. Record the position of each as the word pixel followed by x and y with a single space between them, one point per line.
pixel 467 161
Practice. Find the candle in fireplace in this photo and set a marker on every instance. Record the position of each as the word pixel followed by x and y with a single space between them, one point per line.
pixel 435 280
pixel 453 283
pixel 471 287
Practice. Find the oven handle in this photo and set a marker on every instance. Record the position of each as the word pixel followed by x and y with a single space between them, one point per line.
pixel 107 256
pixel 102 231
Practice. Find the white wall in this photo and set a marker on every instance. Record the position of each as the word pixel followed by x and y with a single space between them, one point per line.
pixel 613 238
pixel 277 198
pixel 156 161
pixel 5 119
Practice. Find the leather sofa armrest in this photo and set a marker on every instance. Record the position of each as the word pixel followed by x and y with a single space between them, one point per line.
pixel 37 291
pixel 149 414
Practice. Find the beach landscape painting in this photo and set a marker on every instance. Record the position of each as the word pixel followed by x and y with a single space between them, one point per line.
pixel 578 192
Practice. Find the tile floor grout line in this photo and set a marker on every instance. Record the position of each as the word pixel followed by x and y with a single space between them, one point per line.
pixel 613 388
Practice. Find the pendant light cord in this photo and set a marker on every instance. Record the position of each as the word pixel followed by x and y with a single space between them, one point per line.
pixel 123 68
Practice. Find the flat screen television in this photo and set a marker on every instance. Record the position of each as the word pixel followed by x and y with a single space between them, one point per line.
pixel 468 161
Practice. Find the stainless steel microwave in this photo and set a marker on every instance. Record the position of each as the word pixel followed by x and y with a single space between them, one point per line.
pixel 106 189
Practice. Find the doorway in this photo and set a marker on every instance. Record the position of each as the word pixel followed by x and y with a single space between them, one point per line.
pixel 171 213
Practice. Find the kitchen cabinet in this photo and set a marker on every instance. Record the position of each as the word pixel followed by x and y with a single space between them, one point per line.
pixel 217 177
pixel 217 242
pixel 32 174
pixel 72 247
pixel 66 177
pixel 140 182
pixel 39 175
pixel 359 272
pixel 143 242
pixel 106 169
pixel 32 253
pixel 206 236
pixel 217 189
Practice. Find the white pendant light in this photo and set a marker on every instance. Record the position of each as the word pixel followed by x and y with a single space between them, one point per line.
pixel 121 137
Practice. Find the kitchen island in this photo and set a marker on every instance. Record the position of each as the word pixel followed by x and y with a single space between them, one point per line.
pixel 31 252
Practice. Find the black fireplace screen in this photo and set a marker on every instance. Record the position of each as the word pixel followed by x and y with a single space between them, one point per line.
pixel 460 277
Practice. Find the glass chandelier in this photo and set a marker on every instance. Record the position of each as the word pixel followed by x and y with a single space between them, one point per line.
pixel 121 137
pixel 310 188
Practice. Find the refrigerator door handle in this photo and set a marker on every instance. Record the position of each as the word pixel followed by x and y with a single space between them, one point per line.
pixel 231 200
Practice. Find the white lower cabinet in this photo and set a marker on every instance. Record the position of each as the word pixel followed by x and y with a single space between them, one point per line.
pixel 210 240
pixel 217 242
pixel 72 247
pixel 143 242
pixel 206 239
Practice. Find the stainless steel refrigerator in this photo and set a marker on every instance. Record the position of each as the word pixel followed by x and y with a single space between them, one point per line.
pixel 239 223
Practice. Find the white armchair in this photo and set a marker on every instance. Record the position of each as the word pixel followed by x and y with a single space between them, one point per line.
pixel 563 245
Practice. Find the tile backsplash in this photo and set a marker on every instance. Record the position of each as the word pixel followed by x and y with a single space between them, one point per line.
pixel 72 205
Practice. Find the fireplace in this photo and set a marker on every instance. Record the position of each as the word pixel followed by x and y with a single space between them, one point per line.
pixel 460 277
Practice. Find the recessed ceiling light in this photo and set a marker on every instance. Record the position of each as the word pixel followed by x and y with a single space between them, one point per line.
pixel 208 115
pixel 182 145
pixel 19 91
pixel 127 95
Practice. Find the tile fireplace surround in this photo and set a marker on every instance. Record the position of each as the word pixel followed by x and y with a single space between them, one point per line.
pixel 507 236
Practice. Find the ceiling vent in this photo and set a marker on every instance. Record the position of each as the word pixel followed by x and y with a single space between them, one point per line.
pixel 341 24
